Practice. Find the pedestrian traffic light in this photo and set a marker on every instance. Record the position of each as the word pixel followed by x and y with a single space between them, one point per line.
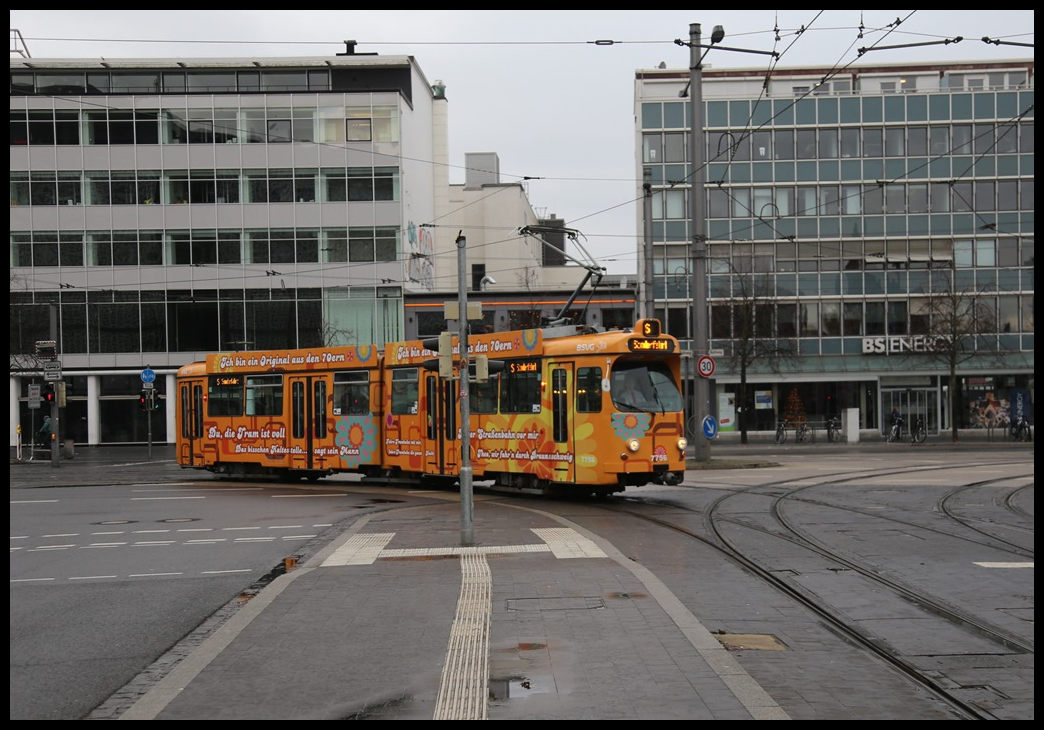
pixel 156 404
pixel 143 400
pixel 48 393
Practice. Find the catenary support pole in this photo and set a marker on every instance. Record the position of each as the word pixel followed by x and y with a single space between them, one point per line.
pixel 467 536
pixel 700 385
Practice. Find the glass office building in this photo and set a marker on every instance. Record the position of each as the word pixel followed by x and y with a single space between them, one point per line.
pixel 163 209
pixel 839 205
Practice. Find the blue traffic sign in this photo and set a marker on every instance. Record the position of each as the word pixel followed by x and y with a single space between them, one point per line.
pixel 710 427
pixel 147 375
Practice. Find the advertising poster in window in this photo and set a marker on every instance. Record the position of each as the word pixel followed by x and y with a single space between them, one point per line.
pixel 1019 405
pixel 726 412
pixel 763 400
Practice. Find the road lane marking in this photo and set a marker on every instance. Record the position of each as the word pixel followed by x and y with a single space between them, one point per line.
pixel 1005 565
pixel 144 499
pixel 359 549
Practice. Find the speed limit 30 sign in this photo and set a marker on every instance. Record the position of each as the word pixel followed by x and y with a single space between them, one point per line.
pixel 705 366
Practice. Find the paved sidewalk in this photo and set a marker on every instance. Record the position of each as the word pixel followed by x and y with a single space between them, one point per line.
pixel 395 620
pixel 542 619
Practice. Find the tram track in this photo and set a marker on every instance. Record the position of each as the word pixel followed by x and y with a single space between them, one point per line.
pixel 784 494
pixel 947 506
pixel 1011 501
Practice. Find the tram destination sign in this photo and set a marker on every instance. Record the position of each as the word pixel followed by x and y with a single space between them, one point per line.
pixel 645 344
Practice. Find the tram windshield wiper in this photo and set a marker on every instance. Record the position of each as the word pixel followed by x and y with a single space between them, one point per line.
pixel 656 395
pixel 632 406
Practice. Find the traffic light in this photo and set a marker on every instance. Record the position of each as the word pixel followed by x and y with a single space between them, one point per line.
pixel 481 368
pixel 48 393
pixel 61 395
pixel 445 355
pixel 443 346
pixel 143 400
pixel 156 404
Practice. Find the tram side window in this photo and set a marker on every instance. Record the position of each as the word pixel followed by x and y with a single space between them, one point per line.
pixel 404 391
pixel 484 396
pixel 264 395
pixel 225 395
pixel 351 393
pixel 589 390
pixel 520 387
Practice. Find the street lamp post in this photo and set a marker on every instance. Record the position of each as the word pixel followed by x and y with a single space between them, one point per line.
pixel 700 325
pixel 701 385
pixel 647 258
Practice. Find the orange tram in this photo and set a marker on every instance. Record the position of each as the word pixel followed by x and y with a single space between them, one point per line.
pixel 568 411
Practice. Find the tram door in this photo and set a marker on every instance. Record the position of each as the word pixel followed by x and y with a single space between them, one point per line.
pixel 190 411
pixel 442 447
pixel 308 428
pixel 562 420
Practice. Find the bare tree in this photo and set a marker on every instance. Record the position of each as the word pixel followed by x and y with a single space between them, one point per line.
pixel 527 278
pixel 958 318
pixel 754 341
pixel 335 336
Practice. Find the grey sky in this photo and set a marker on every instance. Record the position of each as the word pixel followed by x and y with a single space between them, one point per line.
pixel 531 85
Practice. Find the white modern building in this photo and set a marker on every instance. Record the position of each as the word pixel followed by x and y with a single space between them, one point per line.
pixel 164 209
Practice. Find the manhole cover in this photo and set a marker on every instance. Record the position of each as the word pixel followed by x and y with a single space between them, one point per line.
pixel 760 642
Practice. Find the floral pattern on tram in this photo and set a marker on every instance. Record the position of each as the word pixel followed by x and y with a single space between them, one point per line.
pixel 357 437
pixel 585 446
pixel 630 425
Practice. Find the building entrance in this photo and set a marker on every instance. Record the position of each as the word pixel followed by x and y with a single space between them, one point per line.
pixel 912 402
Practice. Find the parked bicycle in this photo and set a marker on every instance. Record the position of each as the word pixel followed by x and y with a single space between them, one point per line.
pixel 919 432
pixel 833 427
pixel 804 433
pixel 781 432
pixel 1019 430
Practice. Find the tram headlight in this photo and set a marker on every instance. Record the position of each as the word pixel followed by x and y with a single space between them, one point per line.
pixel 633 445
pixel 682 443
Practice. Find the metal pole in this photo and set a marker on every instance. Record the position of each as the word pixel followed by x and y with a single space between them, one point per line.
pixel 648 247
pixel 54 403
pixel 700 385
pixel 466 505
